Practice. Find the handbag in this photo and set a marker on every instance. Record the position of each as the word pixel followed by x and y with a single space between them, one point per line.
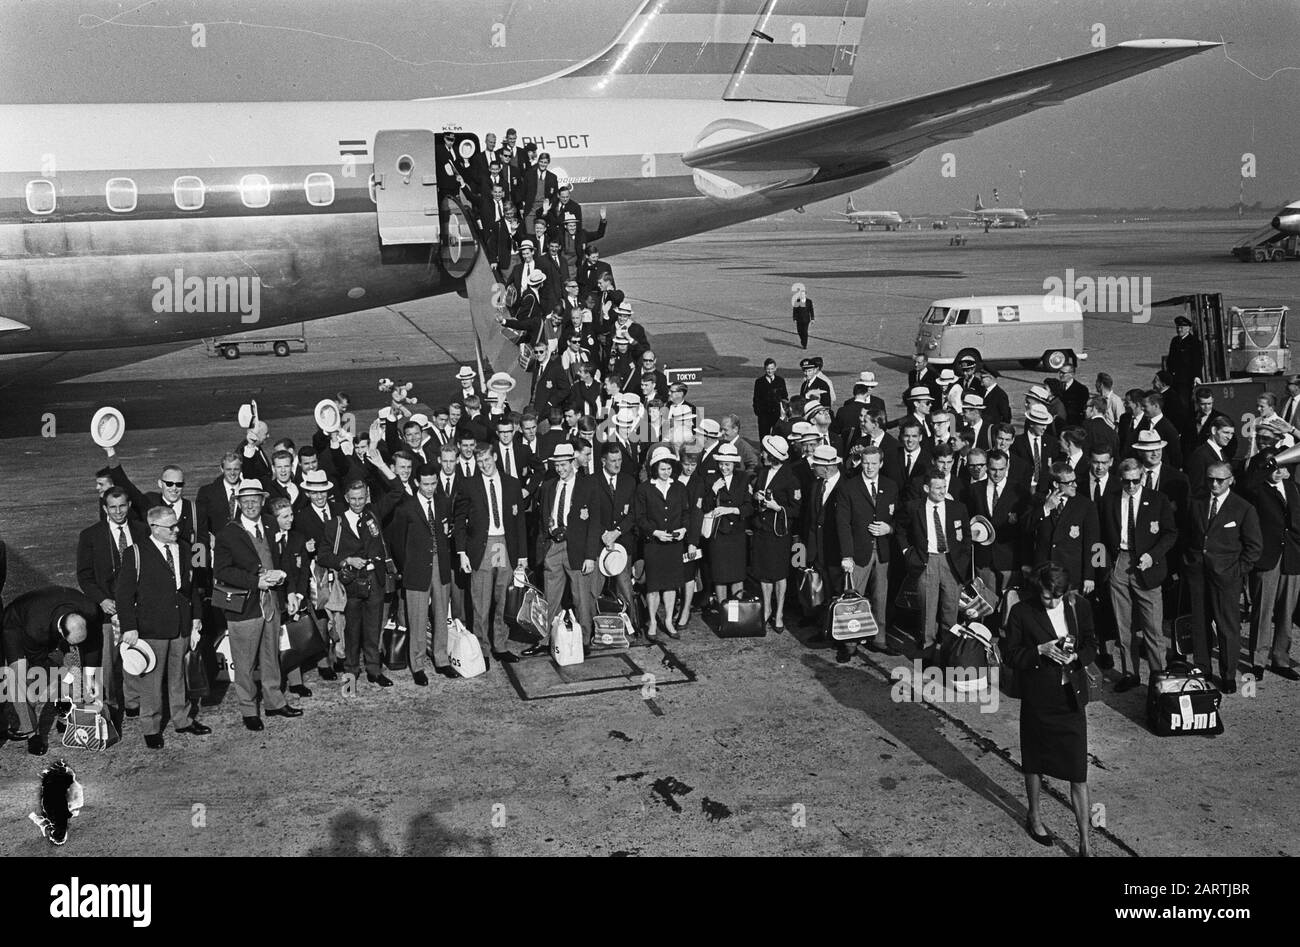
pixel 86 728
pixel 741 617
pixel 968 649
pixel 306 645
pixel 849 618
pixel 909 593
pixel 395 647
pixel 611 632
pixel 463 650
pixel 197 685
pixel 566 639
pixel 331 596
pixel 533 610
pixel 228 598
pixel 1181 701
pixel 812 590
pixel 709 525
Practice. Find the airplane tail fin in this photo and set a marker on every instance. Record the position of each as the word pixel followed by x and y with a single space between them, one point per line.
pixel 849 208
pixel 767 50
pixel 979 204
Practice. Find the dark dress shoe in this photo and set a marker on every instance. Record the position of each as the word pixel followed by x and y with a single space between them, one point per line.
pixel 420 679
pixel 379 680
pixel 153 741
pixel 1044 839
pixel 446 671
pixel 539 648
pixel 505 657
pixel 133 711
pixel 254 723
pixel 339 667
pixel 196 728
pixel 288 710
pixel 1229 687
pixel 1126 683
pixel 302 690
pixel 37 745
pixel 1105 662
pixel 1257 672
pixel 327 674
pixel 1291 674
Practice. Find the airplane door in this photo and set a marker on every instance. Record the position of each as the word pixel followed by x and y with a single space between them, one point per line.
pixel 406 186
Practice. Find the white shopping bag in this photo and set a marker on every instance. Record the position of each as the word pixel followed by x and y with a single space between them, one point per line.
pixel 566 639
pixel 225 666
pixel 463 650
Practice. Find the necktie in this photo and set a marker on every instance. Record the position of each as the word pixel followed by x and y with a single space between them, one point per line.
pixel 446 485
pixel 1132 524
pixel 939 538
pixel 234 504
pixel 911 459
pixel 1096 489
pixel 500 211
pixel 428 505
pixel 121 540
pixel 257 531
pixel 871 492
pixel 997 495
pixel 492 499
pixel 171 562
pixel 560 518
pixel 510 461
pixel 1037 454
pixel 1214 511
pixel 1151 479
pixel 612 489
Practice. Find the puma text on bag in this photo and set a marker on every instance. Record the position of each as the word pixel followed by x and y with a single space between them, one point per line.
pixel 849 618
pixel 1182 701
pixel 566 639
pixel 463 650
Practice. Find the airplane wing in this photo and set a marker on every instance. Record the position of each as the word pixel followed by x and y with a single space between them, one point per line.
pixel 880 136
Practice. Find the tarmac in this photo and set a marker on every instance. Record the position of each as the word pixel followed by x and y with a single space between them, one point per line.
pixel 774 749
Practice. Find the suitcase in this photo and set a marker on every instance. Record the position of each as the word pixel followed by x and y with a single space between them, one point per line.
pixel 306 644
pixel 849 618
pixel 741 617
pixel 395 647
pixel 1182 701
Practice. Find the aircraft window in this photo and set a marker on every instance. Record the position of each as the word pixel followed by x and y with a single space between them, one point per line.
pixel 936 315
pixel 120 193
pixel 40 196
pixel 255 190
pixel 320 189
pixel 188 192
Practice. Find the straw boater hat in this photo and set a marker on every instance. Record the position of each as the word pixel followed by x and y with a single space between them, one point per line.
pixel 622 337
pixel 868 379
pixel 726 454
pixel 709 428
pixel 137 658
pixel 249 488
pixel 465 374
pixel 316 481
pixel 1037 414
pixel 421 420
pixel 982 532
pixel 536 278
pixel 623 309
pixel 107 427
pixel 1040 393
pixel 1149 440
pixel 825 456
pixel 918 393
pixel 812 407
pixel 947 377
pixel 802 431
pixel 612 560
pixel 563 451
pixel 528 242
pixel 501 384
pixel 972 402
pixel 328 416
pixel 247 414
pixel 776 445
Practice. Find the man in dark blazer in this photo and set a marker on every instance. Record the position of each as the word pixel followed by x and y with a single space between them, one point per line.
pixel 846 416
pixel 871 430
pixel 1096 427
pixel 1222 548
pixel 1154 419
pixel 922 375
pixel 491 542
pixel 243 561
pixel 157 602
pixel 1074 395
pixel 820 523
pixel 1139 532
pixel 1065 529
pixel 450 481
pixel 1004 503
pixel 1205 417
pixel 216 504
pixel 769 392
pixel 422 549
pixel 934 534
pixel 1276 576
pixel 911 459
pixel 1216 449
pixel 592 268
pixel 617 480
pixel 569 543
pixel 537 185
pixel 39 628
pixel 864 518
pixel 1036 446
pixel 171 484
pixel 997 406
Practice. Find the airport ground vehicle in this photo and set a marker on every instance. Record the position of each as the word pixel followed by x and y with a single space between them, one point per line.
pixel 280 341
pixel 1032 330
pixel 1268 245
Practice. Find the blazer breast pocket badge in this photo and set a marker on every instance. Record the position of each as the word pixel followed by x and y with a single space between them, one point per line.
pixel 582 513
pixel 1155 528
pixel 514 509
pixel 1074 532
pixel 956 531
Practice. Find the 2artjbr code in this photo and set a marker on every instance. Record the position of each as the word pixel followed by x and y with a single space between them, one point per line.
pixel 1196 888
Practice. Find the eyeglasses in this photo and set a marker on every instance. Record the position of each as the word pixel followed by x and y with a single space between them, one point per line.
pixel 973 464
pixel 1132 480
pixel 1067 483
pixel 167 525
pixel 1218 479
pixel 173 483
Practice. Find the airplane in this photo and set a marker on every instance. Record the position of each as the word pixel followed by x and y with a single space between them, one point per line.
pixel 1287 219
pixel 889 219
pixel 132 224
pixel 1000 216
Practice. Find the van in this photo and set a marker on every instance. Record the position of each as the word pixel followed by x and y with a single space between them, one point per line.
pixel 1033 330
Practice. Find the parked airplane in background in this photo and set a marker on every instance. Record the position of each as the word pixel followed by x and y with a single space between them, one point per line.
pixel 1280 240
pixel 146 223
pixel 889 219
pixel 1287 219
pixel 999 216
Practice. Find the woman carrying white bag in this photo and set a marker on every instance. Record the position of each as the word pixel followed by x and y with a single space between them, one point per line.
pixel 463 650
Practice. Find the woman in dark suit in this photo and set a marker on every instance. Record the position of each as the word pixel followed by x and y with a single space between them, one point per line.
pixel 1049 642
pixel 694 485
pixel 289 552
pixel 662 511
pixel 728 499
pixel 776 503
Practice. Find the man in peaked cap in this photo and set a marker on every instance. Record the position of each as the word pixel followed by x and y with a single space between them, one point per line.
pixel 814 384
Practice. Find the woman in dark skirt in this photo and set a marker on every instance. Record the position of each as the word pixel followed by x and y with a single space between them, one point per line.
pixel 1049 641
pixel 727 498
pixel 662 510
pixel 776 506
pixel 694 484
